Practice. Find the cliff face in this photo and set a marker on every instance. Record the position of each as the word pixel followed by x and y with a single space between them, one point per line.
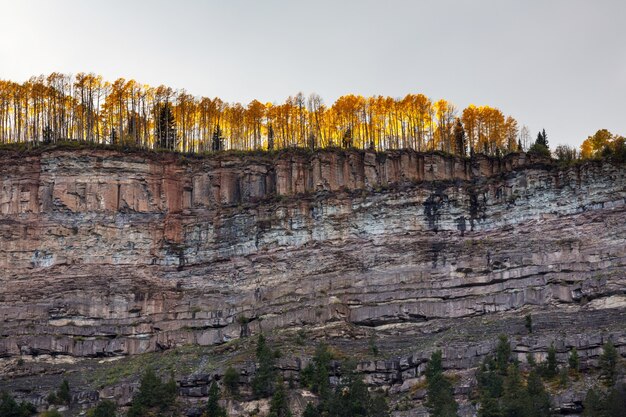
pixel 105 254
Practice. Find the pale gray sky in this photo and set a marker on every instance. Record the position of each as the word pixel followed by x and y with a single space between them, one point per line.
pixel 553 64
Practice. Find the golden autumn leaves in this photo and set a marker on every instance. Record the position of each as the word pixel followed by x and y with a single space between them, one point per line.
pixel 85 107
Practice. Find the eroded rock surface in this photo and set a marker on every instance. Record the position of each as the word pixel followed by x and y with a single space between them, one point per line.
pixel 104 253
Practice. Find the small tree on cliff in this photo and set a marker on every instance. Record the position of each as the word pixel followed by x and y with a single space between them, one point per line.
pixel 608 363
pixel 279 406
pixel 541 145
pixel 165 126
pixel 213 408
pixel 265 376
pixel 217 143
pixel 440 395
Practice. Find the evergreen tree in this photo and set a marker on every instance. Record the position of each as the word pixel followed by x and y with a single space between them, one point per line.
pixel 608 363
pixel 503 353
pixel 541 145
pixel 378 407
pixel 539 398
pixel 213 408
pixel 519 146
pixel 279 405
pixel 311 411
pixel 440 394
pixel 616 402
pixel 351 397
pixel 165 126
pixel 542 139
pixel 153 394
pixel 515 401
pixel 321 360
pixel 265 376
pixel 231 381
pixel 529 323
pixel 217 142
pixel 104 408
pixel 10 408
pixel 490 386
pixel 63 394
pixel 551 369
pixel 594 405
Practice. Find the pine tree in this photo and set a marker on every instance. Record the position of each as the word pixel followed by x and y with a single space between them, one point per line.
pixel 529 323
pixel 594 405
pixel 217 143
pixel 265 376
pixel 515 401
pixel 539 398
pixel 153 394
pixel 608 363
pixel 231 381
pixel 104 408
pixel 213 408
pixel 63 394
pixel 165 127
pixel 10 408
pixel 311 411
pixel 440 394
pixel 551 365
pixel 503 353
pixel 279 406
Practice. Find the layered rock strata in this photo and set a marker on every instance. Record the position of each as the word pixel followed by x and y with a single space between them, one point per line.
pixel 104 253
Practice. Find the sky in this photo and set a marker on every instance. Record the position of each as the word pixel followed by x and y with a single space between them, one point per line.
pixel 558 65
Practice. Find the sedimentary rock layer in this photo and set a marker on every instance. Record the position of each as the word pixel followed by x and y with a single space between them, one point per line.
pixel 104 253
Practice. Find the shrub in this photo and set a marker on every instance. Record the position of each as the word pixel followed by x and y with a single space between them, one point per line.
pixel 231 381
pixel 104 408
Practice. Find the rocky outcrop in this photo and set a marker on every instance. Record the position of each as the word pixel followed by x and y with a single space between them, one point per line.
pixel 104 253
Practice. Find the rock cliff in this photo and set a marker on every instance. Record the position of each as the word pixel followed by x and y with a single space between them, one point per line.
pixel 105 254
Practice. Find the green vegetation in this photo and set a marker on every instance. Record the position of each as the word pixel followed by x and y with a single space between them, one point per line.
pixel 179 360
pixel 153 396
pixel 213 408
pixel 231 381
pixel 605 404
pixel 502 392
pixel 528 323
pixel 315 375
pixel 10 408
pixel 104 408
pixel 551 369
pixel 265 376
pixel 440 398
pixel 349 398
pixel 608 363
pixel 279 405
pixel 62 396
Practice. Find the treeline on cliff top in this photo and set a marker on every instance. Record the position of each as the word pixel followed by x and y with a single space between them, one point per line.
pixel 88 109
